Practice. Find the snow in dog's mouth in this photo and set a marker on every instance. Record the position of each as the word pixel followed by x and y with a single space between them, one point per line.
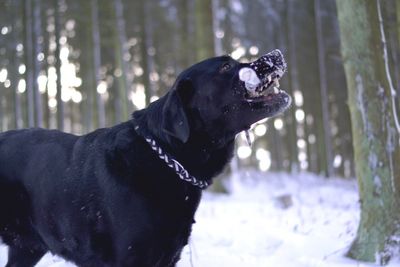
pixel 257 90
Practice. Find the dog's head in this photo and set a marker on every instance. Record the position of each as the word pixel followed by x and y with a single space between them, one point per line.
pixel 221 97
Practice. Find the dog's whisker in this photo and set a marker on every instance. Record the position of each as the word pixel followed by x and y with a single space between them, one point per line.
pixel 248 139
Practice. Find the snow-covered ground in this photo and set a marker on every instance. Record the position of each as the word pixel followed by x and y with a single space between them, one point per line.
pixel 270 220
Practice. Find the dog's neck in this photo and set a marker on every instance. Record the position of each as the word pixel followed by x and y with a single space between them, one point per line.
pixel 199 155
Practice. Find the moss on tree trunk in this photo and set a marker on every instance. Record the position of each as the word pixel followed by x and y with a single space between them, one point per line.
pixel 375 135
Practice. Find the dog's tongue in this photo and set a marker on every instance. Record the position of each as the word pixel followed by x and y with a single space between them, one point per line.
pixel 249 77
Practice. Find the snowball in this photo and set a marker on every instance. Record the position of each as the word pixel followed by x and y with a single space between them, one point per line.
pixel 249 77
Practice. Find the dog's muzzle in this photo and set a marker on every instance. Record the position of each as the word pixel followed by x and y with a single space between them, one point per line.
pixel 263 74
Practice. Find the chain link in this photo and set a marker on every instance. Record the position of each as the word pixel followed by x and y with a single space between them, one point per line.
pixel 176 166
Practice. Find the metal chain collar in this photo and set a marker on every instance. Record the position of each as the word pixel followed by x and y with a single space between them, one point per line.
pixel 175 165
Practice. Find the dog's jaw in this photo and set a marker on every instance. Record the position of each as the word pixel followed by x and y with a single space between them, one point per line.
pixel 260 80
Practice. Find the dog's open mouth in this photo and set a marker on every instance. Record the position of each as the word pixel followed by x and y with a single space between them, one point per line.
pixel 265 90
pixel 261 78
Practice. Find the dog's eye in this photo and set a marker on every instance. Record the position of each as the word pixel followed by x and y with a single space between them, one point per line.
pixel 226 67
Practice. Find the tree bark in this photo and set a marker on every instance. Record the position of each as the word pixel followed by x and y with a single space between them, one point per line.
pixel 29 55
pixel 398 43
pixel 88 109
pixel 216 27
pixel 337 93
pixel 204 29
pixel 326 129
pixel 398 19
pixel 186 41
pixel 37 48
pixel 60 104
pixel 294 82
pixel 120 45
pixel 147 43
pixel 97 61
pixel 47 35
pixel 15 62
pixel 227 25
pixel 375 129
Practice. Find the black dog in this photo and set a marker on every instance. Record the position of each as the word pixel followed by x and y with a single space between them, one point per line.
pixel 127 195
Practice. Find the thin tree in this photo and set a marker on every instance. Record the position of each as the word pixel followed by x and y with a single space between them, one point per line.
pixel 147 44
pixel 276 143
pixel 227 25
pixel 324 90
pixel 29 55
pixel 184 29
pixel 216 26
pixel 337 95
pixel 15 61
pixel 48 36
pixel 60 104
pixel 122 64
pixel 88 107
pixel 375 128
pixel 391 27
pixel 204 29
pixel 6 91
pixel 37 40
pixel 97 60
pixel 293 77
pixel 398 35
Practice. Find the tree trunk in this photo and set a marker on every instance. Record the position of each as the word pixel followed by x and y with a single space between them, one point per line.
pixel 375 129
pixel 293 77
pixel 216 27
pixel 37 48
pixel 14 63
pixel 146 42
pixel 337 94
pixel 186 41
pixel 120 45
pixel 29 55
pixel 60 104
pixel 398 36
pixel 326 129
pixel 97 61
pixel 279 143
pixel 88 109
pixel 204 29
pixel 47 35
pixel 390 15
pixel 227 25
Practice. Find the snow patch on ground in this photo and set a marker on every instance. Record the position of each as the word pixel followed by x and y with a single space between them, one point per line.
pixel 269 220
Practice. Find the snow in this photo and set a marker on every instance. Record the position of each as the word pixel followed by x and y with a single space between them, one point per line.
pixel 270 219
pixel 249 77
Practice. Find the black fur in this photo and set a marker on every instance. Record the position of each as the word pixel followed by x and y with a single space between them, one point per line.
pixel 105 198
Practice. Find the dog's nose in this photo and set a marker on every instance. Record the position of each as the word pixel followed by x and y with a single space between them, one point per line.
pixel 268 63
pixel 276 53
pixel 276 56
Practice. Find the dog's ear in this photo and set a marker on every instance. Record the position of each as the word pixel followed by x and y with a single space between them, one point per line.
pixel 175 122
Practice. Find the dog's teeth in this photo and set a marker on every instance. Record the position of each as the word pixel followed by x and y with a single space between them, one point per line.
pixel 276 90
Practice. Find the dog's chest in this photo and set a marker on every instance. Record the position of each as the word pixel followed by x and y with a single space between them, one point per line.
pixel 158 228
